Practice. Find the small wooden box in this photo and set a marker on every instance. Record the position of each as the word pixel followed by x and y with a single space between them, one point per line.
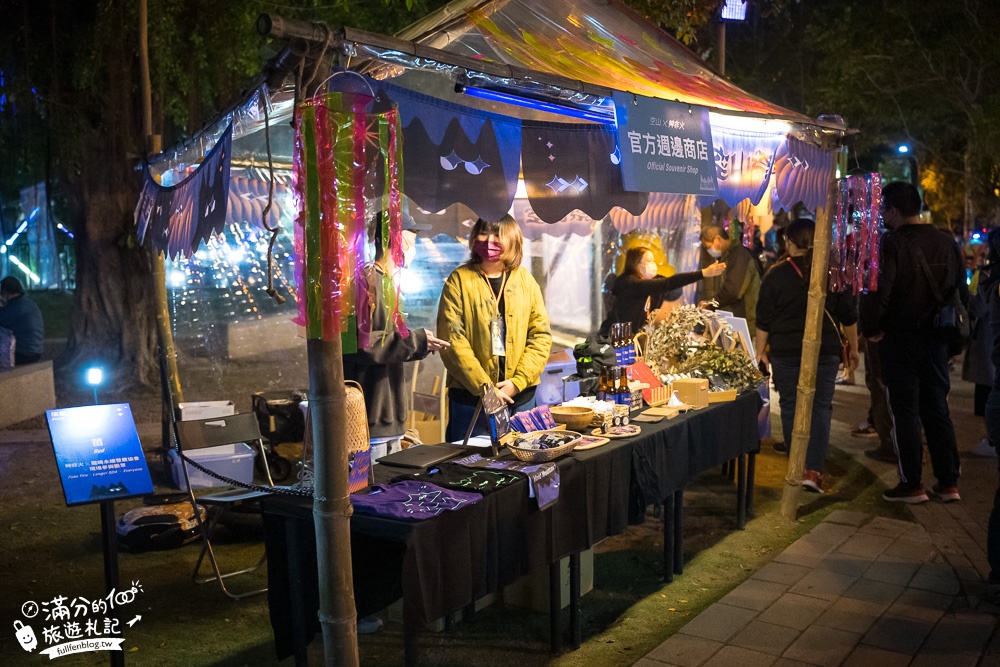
pixel 722 396
pixel 692 391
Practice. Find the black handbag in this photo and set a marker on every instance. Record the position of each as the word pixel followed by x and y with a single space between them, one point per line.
pixel 951 319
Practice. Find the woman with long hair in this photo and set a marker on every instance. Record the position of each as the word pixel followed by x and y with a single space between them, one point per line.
pixel 781 325
pixel 639 288
pixel 492 313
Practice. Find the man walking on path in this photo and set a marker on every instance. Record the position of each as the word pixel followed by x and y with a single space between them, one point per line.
pixel 901 317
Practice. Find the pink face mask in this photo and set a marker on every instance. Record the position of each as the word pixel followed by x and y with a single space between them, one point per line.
pixel 488 251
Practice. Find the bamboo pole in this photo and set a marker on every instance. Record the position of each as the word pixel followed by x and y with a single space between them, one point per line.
pixel 152 144
pixel 811 342
pixel 331 503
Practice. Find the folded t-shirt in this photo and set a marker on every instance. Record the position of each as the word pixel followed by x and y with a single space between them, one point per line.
pixel 460 478
pixel 410 499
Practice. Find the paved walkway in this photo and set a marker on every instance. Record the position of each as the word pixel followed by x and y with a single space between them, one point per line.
pixel 859 590
pixel 854 591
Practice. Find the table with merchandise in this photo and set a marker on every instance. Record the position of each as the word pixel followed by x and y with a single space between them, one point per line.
pixel 442 541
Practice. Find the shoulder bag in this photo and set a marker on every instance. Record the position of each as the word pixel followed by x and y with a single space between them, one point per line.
pixel 952 319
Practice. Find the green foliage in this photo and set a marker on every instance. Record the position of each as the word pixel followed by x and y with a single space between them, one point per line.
pixel 684 17
pixel 927 74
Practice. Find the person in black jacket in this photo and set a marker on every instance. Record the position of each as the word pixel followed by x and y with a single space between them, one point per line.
pixel 639 289
pixel 781 325
pixel 379 367
pixel 901 316
pixel 989 287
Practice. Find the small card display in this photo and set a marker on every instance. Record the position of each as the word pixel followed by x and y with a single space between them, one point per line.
pixel 98 453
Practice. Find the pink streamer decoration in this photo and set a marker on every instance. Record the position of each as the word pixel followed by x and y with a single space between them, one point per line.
pixel 855 234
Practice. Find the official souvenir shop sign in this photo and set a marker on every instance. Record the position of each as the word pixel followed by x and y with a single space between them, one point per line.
pixel 665 146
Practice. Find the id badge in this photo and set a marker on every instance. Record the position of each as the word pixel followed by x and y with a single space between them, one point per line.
pixel 498 334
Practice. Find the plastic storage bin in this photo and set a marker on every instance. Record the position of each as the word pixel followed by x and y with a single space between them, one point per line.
pixel 234 461
pixel 550 384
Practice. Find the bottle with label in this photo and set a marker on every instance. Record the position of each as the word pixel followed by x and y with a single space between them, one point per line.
pixel 629 346
pixel 616 342
pixel 602 385
pixel 624 395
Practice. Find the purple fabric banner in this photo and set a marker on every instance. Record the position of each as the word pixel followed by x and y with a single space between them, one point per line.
pixel 176 219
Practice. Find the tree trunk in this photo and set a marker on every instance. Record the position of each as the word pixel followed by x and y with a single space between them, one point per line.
pixel 113 321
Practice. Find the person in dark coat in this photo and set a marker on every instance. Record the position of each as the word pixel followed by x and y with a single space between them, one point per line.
pixel 901 316
pixel 379 367
pixel 639 288
pixel 21 316
pixel 989 286
pixel 737 289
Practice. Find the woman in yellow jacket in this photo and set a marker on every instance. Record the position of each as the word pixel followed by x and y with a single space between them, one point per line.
pixel 491 311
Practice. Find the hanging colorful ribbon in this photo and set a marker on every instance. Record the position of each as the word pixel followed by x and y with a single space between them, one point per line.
pixel 339 147
pixel 856 234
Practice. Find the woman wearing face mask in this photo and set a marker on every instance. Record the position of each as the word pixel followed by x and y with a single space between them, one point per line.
pixel 491 311
pixel 781 325
pixel 637 288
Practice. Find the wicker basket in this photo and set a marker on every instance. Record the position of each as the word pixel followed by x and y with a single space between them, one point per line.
pixel 543 455
pixel 575 417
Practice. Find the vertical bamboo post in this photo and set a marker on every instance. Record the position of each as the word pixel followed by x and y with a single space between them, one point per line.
pixel 806 390
pixel 332 503
pixel 152 144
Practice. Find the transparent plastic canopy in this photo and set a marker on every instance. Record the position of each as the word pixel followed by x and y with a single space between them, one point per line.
pixel 599 42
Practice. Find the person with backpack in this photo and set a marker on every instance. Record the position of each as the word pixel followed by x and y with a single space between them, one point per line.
pixel 737 288
pixel 921 279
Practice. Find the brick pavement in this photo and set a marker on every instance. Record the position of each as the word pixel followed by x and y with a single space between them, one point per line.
pixel 861 590
pixel 855 591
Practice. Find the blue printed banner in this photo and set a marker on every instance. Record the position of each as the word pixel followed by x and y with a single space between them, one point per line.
pixel 665 146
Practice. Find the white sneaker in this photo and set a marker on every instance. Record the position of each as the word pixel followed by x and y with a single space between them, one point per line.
pixel 984 449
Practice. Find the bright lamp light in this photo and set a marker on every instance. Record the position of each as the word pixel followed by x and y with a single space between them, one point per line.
pixel 903 148
pixel 95 376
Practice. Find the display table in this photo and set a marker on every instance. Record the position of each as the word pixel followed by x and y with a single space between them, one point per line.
pixel 441 565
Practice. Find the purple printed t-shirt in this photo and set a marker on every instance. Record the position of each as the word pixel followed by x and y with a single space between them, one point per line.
pixel 411 500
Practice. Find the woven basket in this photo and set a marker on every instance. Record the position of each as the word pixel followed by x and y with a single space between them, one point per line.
pixel 575 417
pixel 543 455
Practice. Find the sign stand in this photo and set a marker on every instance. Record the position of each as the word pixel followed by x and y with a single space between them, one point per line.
pixel 100 459
pixel 109 542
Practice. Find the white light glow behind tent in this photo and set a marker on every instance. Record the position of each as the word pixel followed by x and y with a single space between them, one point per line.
pixel 723 122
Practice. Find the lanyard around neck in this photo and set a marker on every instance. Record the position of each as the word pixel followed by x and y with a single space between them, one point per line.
pixel 496 296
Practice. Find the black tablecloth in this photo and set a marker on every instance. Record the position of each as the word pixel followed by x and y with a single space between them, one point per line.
pixel 442 564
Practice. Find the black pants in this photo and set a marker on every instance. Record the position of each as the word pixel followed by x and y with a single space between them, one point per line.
pixel 915 372
pixel 879 415
pixel 22 359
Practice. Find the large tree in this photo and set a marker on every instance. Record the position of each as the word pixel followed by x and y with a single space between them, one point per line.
pixel 69 115
pixel 925 74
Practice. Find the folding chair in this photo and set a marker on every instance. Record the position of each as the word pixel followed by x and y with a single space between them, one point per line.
pixel 197 434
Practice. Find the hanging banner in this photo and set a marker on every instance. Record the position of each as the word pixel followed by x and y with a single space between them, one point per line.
pixel 571 167
pixel 802 173
pixel 664 146
pixel 457 154
pixel 744 160
pixel 178 218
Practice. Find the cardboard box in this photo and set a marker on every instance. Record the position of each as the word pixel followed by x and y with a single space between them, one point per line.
pixel 532 590
pixel 205 410
pixel 692 391
pixel 394 613
pixel 234 461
